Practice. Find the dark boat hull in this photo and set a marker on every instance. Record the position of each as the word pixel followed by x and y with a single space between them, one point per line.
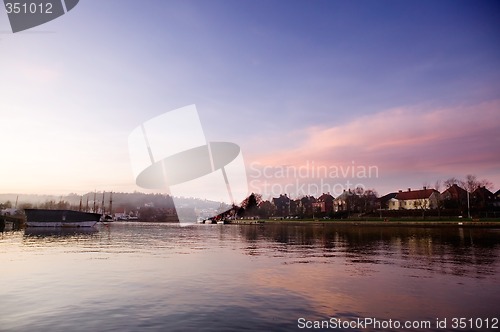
pixel 60 218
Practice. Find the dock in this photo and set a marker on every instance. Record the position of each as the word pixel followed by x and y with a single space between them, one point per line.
pixel 11 222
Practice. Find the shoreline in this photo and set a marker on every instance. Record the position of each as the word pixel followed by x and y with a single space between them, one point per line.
pixel 389 223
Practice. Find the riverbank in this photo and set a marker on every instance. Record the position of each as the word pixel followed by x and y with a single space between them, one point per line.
pixel 493 223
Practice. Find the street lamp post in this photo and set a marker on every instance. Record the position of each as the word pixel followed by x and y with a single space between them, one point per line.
pixel 468 204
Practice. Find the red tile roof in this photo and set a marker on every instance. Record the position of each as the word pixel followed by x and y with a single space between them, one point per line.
pixel 325 197
pixel 455 192
pixel 415 194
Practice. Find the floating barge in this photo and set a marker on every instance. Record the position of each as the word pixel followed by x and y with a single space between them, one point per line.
pixel 60 218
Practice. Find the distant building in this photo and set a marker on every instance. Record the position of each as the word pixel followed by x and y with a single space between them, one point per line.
pixel 482 198
pixel 384 200
pixel 497 198
pixel 282 205
pixel 454 197
pixel 121 214
pixel 304 205
pixel 343 202
pixel 324 203
pixel 415 199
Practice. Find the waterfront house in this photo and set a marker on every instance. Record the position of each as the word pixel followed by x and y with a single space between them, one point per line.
pixel 482 198
pixel 305 205
pixel 282 205
pixel 324 203
pixel 454 197
pixel 384 200
pixel 415 199
pixel 344 201
pixel 497 198
pixel 120 214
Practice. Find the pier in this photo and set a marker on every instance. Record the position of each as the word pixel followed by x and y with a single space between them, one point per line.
pixel 10 222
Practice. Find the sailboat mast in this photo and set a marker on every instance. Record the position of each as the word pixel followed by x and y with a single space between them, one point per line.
pixel 111 203
pixel 102 206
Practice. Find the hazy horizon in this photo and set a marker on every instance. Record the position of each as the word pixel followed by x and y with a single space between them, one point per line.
pixel 411 88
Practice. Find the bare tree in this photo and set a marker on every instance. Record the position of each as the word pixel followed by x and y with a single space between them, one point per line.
pixel 369 200
pixel 451 181
pixel 487 184
pixel 439 201
pixel 421 204
pixel 471 183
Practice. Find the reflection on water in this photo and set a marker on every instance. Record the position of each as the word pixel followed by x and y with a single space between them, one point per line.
pixel 460 251
pixel 137 276
pixel 55 232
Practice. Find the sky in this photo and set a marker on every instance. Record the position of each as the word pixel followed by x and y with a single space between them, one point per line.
pixel 410 89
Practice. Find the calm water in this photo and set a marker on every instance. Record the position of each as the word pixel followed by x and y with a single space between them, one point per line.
pixel 152 277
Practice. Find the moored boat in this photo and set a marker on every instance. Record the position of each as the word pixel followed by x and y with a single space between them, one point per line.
pixel 60 218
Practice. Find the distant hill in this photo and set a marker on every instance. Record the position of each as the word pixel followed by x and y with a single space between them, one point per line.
pixel 120 200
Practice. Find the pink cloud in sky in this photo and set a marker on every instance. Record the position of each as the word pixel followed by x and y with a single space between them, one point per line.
pixel 415 144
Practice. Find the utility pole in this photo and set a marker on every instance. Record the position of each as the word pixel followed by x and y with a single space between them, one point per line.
pixel 468 204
